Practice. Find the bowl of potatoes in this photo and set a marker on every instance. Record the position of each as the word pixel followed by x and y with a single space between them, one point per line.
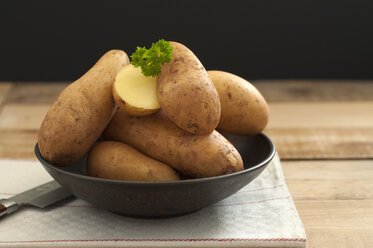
pixel 164 198
pixel 156 136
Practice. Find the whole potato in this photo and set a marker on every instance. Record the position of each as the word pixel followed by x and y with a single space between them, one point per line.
pixel 81 112
pixel 244 111
pixel 159 138
pixel 186 93
pixel 118 161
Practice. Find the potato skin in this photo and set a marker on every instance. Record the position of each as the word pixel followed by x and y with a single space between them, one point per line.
pixel 81 112
pixel 244 111
pixel 186 93
pixel 193 155
pixel 118 161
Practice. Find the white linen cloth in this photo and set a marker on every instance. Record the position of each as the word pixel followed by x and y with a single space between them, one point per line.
pixel 262 214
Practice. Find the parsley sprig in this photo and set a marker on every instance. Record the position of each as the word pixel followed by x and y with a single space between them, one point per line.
pixel 150 60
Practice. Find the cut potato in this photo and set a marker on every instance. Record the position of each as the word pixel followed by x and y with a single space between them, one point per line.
pixel 135 93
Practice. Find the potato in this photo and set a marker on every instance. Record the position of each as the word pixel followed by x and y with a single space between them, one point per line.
pixel 186 93
pixel 81 112
pixel 193 155
pixel 135 93
pixel 118 161
pixel 244 111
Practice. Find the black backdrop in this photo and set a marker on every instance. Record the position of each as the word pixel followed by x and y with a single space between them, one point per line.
pixel 60 40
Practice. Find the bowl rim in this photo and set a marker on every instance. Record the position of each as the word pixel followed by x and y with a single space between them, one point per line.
pixel 266 161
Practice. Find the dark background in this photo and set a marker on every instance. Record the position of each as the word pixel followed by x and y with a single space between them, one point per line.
pixel 60 40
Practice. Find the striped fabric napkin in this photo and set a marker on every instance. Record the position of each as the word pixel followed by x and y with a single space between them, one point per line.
pixel 260 215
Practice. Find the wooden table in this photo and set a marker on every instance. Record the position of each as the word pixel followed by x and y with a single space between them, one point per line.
pixel 323 131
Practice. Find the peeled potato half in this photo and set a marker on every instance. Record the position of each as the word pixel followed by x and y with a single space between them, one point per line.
pixel 135 93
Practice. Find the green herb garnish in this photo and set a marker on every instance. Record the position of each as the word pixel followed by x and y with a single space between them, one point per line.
pixel 150 60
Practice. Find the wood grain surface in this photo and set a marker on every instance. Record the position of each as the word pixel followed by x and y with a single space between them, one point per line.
pixel 315 90
pixel 22 116
pixel 35 92
pixel 323 131
pixel 333 179
pixel 323 143
pixel 5 87
pixel 18 144
pixel 339 223
pixel 321 114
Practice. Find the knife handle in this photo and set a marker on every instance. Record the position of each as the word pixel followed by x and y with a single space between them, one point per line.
pixel 7 206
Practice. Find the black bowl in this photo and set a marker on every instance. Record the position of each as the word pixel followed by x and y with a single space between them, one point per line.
pixel 162 199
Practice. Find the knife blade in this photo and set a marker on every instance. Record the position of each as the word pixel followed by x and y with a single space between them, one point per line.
pixel 40 196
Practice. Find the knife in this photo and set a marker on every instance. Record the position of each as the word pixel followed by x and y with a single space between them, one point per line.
pixel 40 196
